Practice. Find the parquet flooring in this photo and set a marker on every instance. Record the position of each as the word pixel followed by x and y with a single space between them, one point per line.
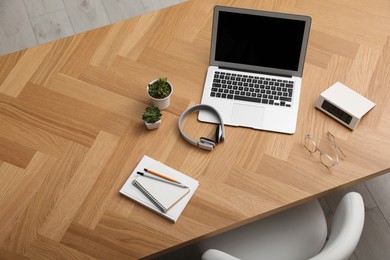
pixel 71 131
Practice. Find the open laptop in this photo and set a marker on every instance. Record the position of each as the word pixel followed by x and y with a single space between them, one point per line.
pixel 256 64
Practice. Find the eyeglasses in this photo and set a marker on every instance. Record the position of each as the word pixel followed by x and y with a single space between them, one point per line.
pixel 329 151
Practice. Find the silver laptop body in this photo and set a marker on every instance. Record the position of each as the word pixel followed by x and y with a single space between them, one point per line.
pixel 266 52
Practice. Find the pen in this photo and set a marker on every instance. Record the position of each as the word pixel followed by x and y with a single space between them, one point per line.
pixel 160 175
pixel 161 179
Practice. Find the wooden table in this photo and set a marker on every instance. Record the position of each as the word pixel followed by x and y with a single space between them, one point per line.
pixel 71 131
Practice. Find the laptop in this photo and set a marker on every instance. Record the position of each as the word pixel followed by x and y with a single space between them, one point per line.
pixel 256 64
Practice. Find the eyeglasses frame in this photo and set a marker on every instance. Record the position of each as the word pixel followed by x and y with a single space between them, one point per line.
pixel 334 161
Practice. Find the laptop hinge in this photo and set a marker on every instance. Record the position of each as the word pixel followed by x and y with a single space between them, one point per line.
pixel 258 72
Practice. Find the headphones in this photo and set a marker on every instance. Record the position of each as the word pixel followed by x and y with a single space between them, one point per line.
pixel 204 143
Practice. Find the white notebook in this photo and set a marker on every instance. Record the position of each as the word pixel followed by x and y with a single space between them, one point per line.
pixel 173 212
pixel 162 194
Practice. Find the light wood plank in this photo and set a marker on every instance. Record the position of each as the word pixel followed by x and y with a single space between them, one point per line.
pixel 14 153
pixel 79 187
pixel 53 250
pixel 55 109
pixel 10 177
pixel 55 184
pixel 73 66
pixel 362 69
pixel 11 60
pixel 104 185
pixel 95 96
pixel 56 57
pixel 379 79
pixel 22 190
pixel 28 135
pixel 23 70
pixel 329 43
pixel 8 255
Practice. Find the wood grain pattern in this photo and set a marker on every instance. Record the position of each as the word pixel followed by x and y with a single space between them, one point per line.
pixel 71 131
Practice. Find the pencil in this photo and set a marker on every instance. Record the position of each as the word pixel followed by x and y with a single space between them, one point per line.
pixel 161 176
pixel 161 179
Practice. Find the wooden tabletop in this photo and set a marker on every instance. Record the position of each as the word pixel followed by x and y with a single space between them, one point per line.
pixel 71 131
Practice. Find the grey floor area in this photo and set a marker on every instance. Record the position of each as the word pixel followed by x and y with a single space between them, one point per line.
pixel 26 23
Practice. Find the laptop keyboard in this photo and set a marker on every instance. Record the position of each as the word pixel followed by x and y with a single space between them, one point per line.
pixel 257 89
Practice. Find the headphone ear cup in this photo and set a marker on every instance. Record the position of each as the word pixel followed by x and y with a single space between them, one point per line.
pixel 203 143
pixel 207 142
pixel 218 134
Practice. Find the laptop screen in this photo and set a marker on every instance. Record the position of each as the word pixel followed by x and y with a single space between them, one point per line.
pixel 260 41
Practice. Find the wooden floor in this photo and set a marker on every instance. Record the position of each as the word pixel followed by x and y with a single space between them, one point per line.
pixel 30 22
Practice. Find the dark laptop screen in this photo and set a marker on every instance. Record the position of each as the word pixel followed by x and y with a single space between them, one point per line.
pixel 259 40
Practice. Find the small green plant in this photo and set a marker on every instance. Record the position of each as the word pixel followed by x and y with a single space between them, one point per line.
pixel 151 114
pixel 160 88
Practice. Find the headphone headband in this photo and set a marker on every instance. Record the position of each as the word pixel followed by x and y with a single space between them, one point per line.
pixel 204 142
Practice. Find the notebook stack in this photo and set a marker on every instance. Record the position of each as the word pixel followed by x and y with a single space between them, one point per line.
pixel 163 197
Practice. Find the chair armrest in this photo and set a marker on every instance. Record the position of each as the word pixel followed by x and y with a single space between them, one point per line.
pixel 214 254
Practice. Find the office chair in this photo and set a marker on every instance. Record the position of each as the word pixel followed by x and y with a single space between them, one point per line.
pixel 297 233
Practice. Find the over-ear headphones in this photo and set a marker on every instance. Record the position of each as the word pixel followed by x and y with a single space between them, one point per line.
pixel 204 143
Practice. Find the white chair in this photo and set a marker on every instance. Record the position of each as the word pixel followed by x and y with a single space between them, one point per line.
pixel 297 233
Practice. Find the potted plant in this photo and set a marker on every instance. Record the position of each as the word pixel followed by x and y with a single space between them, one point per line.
pixel 160 91
pixel 152 117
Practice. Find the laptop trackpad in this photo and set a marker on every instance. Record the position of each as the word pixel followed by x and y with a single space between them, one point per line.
pixel 247 115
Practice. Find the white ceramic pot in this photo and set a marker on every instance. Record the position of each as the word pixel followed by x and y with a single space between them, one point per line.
pixel 152 126
pixel 161 103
